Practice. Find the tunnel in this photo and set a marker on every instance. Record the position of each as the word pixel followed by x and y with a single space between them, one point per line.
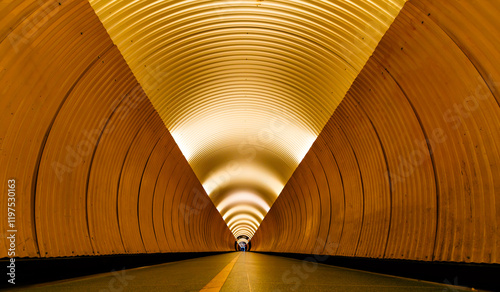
pixel 250 145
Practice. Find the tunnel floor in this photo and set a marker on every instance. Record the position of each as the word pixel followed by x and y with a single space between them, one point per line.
pixel 241 271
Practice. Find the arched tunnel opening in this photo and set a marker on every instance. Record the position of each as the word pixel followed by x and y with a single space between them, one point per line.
pixel 242 243
pixel 299 143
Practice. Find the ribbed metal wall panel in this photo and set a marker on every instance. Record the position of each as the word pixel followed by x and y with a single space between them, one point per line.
pixel 90 155
pixel 411 155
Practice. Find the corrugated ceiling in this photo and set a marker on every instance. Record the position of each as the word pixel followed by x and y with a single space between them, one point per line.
pixel 246 86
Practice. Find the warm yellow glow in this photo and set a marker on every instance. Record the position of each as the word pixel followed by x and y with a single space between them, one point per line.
pixel 244 240
pixel 243 230
pixel 245 86
pixel 244 198
pixel 243 218
pixel 255 212
pixel 249 228
pixel 223 178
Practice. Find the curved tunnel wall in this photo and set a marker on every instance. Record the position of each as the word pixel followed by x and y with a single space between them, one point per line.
pixel 96 170
pixel 408 165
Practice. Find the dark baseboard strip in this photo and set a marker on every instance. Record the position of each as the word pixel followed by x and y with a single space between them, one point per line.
pixel 478 276
pixel 32 271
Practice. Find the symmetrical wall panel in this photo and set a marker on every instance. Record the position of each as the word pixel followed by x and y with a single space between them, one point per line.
pixel 411 156
pixel 96 170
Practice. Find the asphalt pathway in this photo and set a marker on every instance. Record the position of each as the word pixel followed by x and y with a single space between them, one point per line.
pixel 241 271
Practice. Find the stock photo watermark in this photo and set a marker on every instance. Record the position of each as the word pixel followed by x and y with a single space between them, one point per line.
pixel 27 29
pixel 121 108
pixel 119 281
pixel 248 149
pixel 455 117
pixel 298 273
pixel 12 230
pixel 76 154
pixel 451 285
pixel 200 201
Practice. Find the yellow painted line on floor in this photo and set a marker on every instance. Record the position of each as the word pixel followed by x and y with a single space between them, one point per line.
pixel 216 284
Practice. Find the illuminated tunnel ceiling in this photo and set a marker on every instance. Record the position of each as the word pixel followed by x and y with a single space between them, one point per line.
pixel 246 86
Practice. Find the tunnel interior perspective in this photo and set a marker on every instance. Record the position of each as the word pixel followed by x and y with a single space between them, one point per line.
pixel 250 145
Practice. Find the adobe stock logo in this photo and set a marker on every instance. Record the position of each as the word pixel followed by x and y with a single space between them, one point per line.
pixel 298 273
pixel 76 154
pixel 454 116
pixel 27 29
pixel 119 281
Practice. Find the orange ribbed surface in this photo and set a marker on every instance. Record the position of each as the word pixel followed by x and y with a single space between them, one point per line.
pixel 371 186
pixel 97 172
